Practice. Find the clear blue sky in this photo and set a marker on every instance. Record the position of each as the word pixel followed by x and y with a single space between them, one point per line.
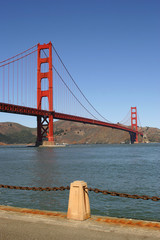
pixel 111 48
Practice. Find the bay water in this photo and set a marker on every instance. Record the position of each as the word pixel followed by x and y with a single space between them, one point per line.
pixel 132 169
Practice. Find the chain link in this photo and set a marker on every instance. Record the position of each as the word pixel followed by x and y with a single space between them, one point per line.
pixel 36 188
pixel 96 190
pixel 135 196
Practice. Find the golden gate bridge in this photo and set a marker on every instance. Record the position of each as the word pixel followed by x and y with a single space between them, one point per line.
pixel 36 82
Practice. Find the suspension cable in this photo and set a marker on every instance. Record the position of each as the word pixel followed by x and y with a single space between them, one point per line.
pixel 18 54
pixel 77 85
pixel 73 94
pixel 139 121
pixel 70 90
pixel 18 58
pixel 126 117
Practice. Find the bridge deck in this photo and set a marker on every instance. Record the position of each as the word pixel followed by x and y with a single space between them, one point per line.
pixel 10 108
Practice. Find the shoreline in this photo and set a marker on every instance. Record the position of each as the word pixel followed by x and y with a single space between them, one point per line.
pixel 34 145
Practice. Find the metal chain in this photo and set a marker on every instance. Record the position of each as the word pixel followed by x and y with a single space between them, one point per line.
pixel 135 196
pixel 36 188
pixel 96 190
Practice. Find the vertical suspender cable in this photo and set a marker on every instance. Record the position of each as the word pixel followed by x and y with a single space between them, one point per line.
pixel 22 82
pixel 26 82
pixel 34 97
pixel 4 84
pixel 8 83
pixel 13 84
pixel 17 80
pixel 30 89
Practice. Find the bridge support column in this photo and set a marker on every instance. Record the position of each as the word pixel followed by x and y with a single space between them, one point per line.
pixel 44 130
pixel 39 135
pixel 134 136
pixel 45 123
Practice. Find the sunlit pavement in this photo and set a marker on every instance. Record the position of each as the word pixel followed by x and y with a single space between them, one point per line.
pixel 17 223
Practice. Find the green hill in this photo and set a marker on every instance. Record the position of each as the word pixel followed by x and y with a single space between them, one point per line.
pixel 13 133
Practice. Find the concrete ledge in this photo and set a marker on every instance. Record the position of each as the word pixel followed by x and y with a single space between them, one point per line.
pixel 96 220
pixel 32 211
pixel 23 223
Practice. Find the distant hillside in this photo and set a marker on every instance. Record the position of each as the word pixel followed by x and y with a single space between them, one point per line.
pixel 78 133
pixel 14 133
pixel 71 133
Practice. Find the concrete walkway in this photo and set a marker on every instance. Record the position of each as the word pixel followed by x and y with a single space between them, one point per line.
pixel 26 224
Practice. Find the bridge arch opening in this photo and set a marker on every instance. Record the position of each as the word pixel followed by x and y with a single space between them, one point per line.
pixel 44 67
pixel 44 103
pixel 44 84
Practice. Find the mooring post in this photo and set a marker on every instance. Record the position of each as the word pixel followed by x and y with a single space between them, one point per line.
pixel 78 205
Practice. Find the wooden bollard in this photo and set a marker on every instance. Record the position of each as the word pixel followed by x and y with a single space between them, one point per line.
pixel 78 205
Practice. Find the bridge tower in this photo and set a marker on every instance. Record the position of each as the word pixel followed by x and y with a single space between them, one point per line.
pixel 134 138
pixel 44 123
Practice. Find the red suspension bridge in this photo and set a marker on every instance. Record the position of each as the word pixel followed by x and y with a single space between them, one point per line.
pixel 30 83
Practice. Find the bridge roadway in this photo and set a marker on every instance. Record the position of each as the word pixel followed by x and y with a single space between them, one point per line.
pixel 10 108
